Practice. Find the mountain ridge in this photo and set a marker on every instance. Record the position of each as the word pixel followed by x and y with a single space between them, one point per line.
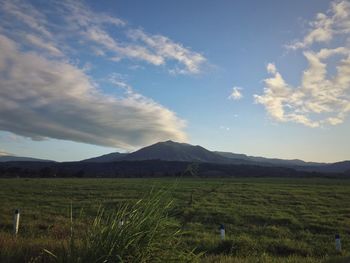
pixel 276 161
pixel 184 152
pixel 12 158
pixel 174 151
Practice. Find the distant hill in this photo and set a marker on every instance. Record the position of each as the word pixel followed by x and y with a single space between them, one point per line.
pixel 337 167
pixel 110 157
pixel 8 158
pixel 273 161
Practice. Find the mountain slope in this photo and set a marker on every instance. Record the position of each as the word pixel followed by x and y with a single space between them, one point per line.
pixel 338 167
pixel 110 157
pixel 272 161
pixel 9 158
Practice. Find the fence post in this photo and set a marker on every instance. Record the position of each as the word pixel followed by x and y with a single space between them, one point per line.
pixel 222 232
pixel 16 222
pixel 337 243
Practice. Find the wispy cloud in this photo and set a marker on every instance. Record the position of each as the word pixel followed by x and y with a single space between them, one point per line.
pixel 236 94
pixel 165 48
pixel 78 24
pixel 322 98
pixel 154 49
pixel 26 15
pixel 44 45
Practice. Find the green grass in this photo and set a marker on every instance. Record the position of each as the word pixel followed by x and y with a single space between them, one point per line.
pixel 266 220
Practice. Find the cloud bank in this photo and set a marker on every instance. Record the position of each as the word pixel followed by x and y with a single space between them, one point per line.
pixel 323 97
pixel 43 94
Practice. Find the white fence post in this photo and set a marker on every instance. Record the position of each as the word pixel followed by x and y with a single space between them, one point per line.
pixel 16 222
pixel 222 232
pixel 337 243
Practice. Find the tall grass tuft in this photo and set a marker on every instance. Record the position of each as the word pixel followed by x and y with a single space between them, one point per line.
pixel 140 232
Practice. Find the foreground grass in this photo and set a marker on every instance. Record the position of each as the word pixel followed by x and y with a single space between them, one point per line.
pixel 267 220
pixel 138 232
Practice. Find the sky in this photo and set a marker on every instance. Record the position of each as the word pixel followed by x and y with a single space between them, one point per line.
pixel 269 78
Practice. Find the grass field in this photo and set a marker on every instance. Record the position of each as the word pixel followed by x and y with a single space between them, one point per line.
pixel 266 220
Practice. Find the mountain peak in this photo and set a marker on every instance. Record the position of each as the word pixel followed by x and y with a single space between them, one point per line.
pixel 172 142
pixel 175 151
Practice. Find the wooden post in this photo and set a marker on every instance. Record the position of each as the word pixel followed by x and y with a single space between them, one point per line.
pixel 16 222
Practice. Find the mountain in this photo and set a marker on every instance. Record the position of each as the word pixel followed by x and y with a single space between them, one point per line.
pixel 171 159
pixel 174 151
pixel 110 157
pixel 9 158
pixel 183 152
pixel 170 151
pixel 271 161
pixel 338 167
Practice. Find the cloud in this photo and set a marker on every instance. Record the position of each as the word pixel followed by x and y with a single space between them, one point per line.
pixel 154 49
pixel 47 46
pixel 271 68
pixel 49 95
pixel 77 27
pixel 46 98
pixel 101 37
pixel 167 49
pixel 25 24
pixel 325 27
pixel 318 100
pixel 222 127
pixel 81 16
pixel 3 153
pixel 25 14
pixel 236 94
pixel 323 97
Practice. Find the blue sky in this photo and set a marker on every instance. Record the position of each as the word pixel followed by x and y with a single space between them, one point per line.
pixel 265 78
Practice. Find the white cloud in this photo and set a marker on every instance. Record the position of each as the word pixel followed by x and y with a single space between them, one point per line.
pixel 325 27
pixel 102 38
pixel 167 49
pixel 236 94
pixel 81 16
pixel 318 100
pixel 25 14
pixel 322 97
pixel 79 25
pixel 154 49
pixel 271 68
pixel 54 99
pixel 47 46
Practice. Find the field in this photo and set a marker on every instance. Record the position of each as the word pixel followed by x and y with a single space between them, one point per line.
pixel 266 220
